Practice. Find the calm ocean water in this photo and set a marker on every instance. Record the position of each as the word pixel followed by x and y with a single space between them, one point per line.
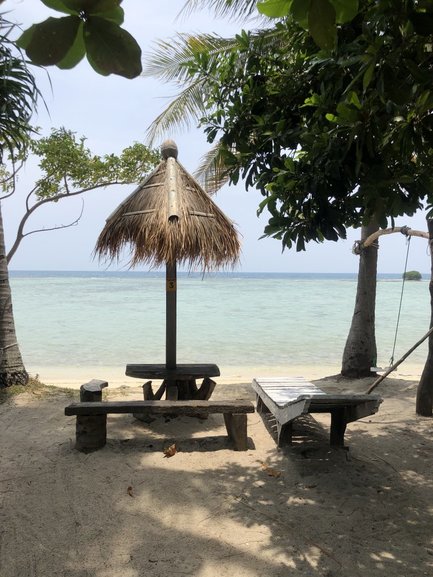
pixel 234 319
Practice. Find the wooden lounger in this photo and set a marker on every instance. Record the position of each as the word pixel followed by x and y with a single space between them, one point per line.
pixel 289 397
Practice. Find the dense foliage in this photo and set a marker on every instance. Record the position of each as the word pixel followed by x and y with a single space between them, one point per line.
pixel 412 275
pixel 331 138
pixel 68 168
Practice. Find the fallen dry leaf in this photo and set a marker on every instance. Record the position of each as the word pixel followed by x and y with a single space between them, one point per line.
pixel 270 471
pixel 170 451
pixel 129 490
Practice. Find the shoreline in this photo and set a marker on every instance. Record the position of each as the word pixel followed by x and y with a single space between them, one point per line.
pixel 73 377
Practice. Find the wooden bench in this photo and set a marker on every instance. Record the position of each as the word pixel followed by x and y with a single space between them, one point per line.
pixel 91 413
pixel 289 397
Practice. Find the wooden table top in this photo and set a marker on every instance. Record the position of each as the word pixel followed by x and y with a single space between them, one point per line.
pixel 184 372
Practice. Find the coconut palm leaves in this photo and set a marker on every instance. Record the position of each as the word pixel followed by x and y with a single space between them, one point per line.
pixel 237 9
pixel 191 63
pixel 18 94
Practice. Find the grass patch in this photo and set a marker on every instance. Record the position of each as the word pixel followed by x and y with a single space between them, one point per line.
pixel 35 387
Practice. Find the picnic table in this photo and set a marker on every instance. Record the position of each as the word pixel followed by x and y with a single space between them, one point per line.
pixel 179 382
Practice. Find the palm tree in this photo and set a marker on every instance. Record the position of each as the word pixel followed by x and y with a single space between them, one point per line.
pixel 18 96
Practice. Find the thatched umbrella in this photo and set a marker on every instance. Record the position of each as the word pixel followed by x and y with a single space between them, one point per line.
pixel 170 219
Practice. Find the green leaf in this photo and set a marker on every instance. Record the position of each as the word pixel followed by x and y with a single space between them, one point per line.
pixel 110 49
pixel 59 5
pixel 48 43
pixel 76 52
pixel 299 11
pixel 116 15
pixel 274 8
pixel 109 9
pixel 321 23
pixel 368 75
pixel 92 6
pixel 345 10
pixel 354 99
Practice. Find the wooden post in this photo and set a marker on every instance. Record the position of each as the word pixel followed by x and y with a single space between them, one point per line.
pixel 338 427
pixel 236 425
pixel 170 328
pixel 170 320
pixel 91 430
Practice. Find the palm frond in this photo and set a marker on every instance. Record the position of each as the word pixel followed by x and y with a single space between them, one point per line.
pixel 171 59
pixel 235 9
pixel 181 112
pixel 173 62
pixel 212 172
pixel 18 94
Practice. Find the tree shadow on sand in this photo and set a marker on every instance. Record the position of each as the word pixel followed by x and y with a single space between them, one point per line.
pixel 125 511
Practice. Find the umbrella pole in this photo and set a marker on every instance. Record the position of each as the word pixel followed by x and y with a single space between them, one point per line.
pixel 170 327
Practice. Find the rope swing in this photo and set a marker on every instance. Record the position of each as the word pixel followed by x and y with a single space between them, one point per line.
pixel 404 230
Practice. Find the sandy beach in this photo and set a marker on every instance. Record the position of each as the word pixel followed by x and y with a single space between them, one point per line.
pixel 208 511
pixel 74 377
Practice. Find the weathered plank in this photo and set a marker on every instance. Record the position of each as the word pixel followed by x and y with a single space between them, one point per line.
pixel 289 397
pixel 91 429
pixel 159 407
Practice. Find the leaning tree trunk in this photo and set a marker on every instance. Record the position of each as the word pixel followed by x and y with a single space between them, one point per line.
pixel 360 353
pixel 12 370
pixel 424 396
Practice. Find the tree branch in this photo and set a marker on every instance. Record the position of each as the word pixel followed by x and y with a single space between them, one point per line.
pixel 358 246
pixel 31 209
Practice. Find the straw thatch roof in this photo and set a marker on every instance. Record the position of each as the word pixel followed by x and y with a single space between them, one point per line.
pixel 169 218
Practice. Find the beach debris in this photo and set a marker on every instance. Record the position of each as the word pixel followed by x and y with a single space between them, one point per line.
pixel 130 491
pixel 170 451
pixel 270 470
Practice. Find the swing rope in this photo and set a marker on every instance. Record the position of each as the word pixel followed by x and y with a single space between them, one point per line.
pixel 391 360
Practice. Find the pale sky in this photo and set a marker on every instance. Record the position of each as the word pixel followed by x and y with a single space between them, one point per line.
pixel 112 113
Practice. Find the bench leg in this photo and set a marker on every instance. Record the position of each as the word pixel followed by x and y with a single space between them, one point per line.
pixel 338 427
pixel 91 432
pixel 261 407
pixel 284 434
pixel 236 425
pixel 148 391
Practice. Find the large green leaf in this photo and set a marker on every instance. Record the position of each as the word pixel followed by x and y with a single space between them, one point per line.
pixel 92 6
pixel 48 43
pixel 274 8
pixel 59 5
pixel 321 23
pixel 299 11
pixel 76 52
pixel 345 10
pixel 109 9
pixel 110 49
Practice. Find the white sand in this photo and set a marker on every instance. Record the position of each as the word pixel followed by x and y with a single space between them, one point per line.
pixel 208 511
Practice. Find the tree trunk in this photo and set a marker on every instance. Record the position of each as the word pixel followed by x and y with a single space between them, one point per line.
pixel 12 370
pixel 424 396
pixel 360 353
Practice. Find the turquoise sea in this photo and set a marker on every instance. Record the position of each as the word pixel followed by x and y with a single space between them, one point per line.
pixel 109 319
